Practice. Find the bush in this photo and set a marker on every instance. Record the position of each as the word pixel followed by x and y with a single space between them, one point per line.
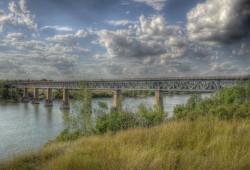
pixel 150 117
pixel 222 112
pixel 180 111
pixel 66 135
pixel 115 121
pixel 227 103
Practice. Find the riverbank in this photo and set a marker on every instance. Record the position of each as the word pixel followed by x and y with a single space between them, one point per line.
pixel 199 144
pixel 8 101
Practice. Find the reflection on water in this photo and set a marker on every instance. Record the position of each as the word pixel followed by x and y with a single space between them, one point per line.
pixel 25 127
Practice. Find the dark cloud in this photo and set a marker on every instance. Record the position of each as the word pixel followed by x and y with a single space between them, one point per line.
pixel 217 22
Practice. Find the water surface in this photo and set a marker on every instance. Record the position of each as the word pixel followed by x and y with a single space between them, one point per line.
pixel 25 127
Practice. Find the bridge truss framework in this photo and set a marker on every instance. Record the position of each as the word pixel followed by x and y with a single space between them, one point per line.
pixel 164 84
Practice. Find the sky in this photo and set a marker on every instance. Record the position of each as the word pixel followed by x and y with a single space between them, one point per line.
pixel 97 39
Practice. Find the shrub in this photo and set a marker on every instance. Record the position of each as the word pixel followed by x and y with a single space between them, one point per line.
pixel 150 117
pixel 193 115
pixel 222 112
pixel 180 111
pixel 115 121
pixel 66 135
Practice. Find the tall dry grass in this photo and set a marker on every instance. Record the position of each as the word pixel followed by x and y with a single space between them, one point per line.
pixel 200 144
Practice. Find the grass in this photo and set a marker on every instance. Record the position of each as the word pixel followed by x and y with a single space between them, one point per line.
pixel 200 144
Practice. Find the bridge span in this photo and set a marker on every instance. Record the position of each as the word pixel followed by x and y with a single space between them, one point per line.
pixel 187 84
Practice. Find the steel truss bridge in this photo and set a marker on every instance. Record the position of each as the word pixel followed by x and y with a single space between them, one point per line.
pixel 194 84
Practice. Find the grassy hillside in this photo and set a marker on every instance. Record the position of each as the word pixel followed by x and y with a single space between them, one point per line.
pixel 201 144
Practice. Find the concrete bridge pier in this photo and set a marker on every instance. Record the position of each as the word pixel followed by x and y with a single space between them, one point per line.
pixel 65 102
pixel 36 96
pixel 158 101
pixel 117 101
pixel 25 97
pixel 48 100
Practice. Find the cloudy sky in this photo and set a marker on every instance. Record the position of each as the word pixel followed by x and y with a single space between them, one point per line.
pixel 91 39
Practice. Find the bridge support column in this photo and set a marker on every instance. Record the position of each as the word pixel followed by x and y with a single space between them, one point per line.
pixel 65 102
pixel 25 97
pixel 36 96
pixel 48 101
pixel 158 101
pixel 117 103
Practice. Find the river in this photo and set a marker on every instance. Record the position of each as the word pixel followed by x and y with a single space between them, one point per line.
pixel 25 127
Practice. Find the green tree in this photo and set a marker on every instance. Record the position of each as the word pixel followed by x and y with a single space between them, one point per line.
pixel 80 121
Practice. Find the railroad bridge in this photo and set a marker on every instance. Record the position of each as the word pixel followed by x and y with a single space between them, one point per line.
pixel 159 85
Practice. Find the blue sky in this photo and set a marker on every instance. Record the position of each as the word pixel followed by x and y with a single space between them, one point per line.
pixel 83 39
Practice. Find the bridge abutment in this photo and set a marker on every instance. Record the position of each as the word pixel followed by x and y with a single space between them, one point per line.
pixel 48 100
pixel 158 101
pixel 36 96
pixel 65 102
pixel 117 101
pixel 25 97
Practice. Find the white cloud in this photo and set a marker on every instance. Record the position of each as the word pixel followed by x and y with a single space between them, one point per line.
pixel 155 27
pixel 67 38
pixel 156 4
pixel 15 36
pixel 119 22
pixel 127 12
pixel 125 3
pixel 219 21
pixel 34 44
pixel 81 34
pixel 22 14
pixel 57 28
pixel 5 19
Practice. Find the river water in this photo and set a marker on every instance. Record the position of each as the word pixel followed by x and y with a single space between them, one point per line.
pixel 25 127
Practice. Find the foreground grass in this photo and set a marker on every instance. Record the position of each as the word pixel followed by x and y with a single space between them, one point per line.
pixel 201 144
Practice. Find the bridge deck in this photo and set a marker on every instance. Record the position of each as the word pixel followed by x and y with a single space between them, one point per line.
pixel 167 84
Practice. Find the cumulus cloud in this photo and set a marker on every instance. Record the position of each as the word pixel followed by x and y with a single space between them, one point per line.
pixel 152 28
pixel 119 22
pixel 15 36
pixel 57 28
pixel 151 38
pixel 218 22
pixel 156 4
pixel 81 34
pixel 22 14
